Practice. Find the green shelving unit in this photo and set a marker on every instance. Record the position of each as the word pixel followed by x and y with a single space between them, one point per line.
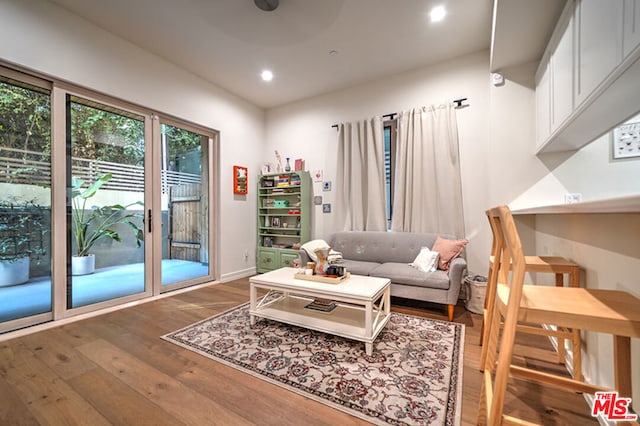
pixel 284 218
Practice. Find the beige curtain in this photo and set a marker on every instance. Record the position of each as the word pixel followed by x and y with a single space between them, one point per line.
pixel 360 189
pixel 427 188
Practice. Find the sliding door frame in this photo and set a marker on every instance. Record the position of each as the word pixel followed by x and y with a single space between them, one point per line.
pixel 59 91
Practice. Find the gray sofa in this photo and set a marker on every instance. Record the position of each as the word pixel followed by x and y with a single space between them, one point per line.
pixel 388 254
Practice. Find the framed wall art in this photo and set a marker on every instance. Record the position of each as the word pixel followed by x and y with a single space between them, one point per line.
pixel 240 184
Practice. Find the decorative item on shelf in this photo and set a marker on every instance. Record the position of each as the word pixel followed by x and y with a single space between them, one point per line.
pixel 287 166
pixel 267 168
pixel 268 183
pixel 275 222
pixel 267 242
pixel 279 167
pixel 268 202
pixel 240 180
pixel 283 181
pixel 278 204
pixel 298 164
pixel 267 221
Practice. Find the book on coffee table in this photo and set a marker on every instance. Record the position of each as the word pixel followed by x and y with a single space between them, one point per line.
pixel 323 305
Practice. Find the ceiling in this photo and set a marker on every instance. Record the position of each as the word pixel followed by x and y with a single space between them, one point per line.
pixel 229 42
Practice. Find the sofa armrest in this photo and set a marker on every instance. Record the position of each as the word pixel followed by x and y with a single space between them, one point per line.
pixel 457 271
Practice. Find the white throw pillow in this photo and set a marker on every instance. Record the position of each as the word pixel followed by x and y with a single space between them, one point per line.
pixel 426 260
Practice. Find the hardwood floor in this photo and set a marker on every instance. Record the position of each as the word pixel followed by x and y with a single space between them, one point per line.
pixel 114 369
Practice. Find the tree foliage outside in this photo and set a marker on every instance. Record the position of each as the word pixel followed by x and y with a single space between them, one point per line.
pixel 96 134
pixel 25 120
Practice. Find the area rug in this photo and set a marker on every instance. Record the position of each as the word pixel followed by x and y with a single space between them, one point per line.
pixel 413 377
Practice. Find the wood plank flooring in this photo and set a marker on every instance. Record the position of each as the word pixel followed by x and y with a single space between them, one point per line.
pixel 114 369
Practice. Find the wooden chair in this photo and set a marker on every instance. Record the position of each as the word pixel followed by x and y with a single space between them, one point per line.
pixel 558 266
pixel 604 311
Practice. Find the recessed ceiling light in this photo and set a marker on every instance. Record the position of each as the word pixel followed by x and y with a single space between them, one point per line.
pixel 266 75
pixel 437 14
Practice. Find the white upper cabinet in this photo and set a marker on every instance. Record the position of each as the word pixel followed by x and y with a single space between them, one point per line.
pixel 562 73
pixel 543 99
pixel 631 35
pixel 589 78
pixel 598 43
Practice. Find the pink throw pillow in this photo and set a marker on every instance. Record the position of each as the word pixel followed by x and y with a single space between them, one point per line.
pixel 449 250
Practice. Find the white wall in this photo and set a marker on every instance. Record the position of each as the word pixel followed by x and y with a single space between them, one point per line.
pixel 40 36
pixel 303 130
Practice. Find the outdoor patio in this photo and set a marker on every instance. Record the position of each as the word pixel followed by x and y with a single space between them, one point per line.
pixel 34 297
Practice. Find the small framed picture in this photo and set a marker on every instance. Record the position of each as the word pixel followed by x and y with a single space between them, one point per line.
pixel 326 185
pixel 317 200
pixel 275 222
pixel 326 208
pixel 267 242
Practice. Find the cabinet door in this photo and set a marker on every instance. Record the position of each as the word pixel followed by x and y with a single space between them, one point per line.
pixel 543 103
pixel 631 35
pixel 599 43
pixel 267 260
pixel 286 259
pixel 562 75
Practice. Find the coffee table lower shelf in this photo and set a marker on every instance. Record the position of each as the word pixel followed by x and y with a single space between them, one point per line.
pixel 345 320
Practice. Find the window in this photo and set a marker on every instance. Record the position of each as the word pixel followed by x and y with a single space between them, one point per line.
pixel 390 136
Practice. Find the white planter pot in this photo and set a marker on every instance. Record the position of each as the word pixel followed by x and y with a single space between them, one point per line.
pixel 83 265
pixel 14 272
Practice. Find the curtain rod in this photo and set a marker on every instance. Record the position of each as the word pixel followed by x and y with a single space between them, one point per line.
pixel 392 115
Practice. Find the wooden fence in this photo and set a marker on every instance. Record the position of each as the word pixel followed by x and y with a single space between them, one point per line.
pixel 34 168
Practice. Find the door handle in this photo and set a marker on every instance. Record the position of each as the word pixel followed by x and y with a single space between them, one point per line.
pixel 149 220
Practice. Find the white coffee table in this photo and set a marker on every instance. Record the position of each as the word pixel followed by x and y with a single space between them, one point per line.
pixel 362 311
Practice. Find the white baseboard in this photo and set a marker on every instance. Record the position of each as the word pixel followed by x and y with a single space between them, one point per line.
pixel 236 275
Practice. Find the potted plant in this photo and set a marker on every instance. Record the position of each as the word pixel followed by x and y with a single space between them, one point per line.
pixel 22 229
pixel 97 223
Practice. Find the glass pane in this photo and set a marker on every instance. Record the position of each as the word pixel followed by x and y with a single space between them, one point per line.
pixel 107 203
pixel 185 205
pixel 25 201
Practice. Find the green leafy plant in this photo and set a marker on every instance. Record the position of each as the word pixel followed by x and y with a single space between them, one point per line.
pixel 22 228
pixel 90 226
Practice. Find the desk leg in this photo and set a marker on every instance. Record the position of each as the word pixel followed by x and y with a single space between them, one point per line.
pixel 622 365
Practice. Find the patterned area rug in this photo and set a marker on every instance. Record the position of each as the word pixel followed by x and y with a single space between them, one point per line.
pixel 413 377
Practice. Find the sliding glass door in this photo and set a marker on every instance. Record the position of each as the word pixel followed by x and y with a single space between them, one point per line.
pixel 101 202
pixel 25 202
pixel 184 206
pixel 106 211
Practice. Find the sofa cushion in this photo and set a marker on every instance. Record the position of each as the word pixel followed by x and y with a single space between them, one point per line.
pixel 358 267
pixel 401 273
pixel 381 246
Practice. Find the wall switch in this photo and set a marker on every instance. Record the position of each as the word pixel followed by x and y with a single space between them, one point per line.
pixel 571 198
